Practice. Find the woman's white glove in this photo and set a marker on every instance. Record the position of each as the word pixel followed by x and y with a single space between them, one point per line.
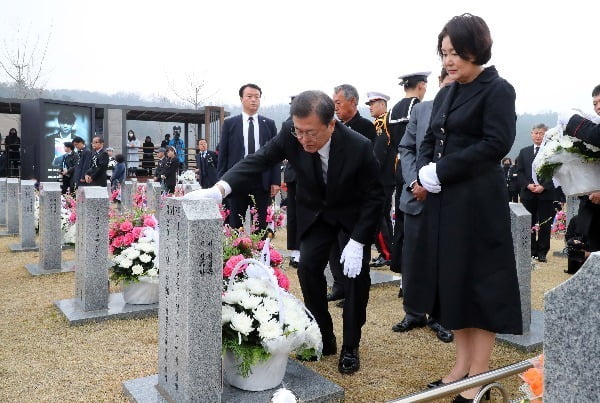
pixel 210 193
pixel 429 179
pixel 352 256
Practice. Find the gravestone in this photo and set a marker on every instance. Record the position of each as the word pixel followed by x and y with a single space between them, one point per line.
pixel 26 218
pixel 571 338
pixel 127 195
pixel 154 198
pixel 189 339
pixel 12 214
pixel 92 300
pixel 533 321
pixel 2 202
pixel 190 187
pixel 572 207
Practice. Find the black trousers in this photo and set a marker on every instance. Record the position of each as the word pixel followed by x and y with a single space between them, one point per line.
pixel 337 269
pixel 383 240
pixel 292 221
pixel 239 204
pixel 398 238
pixel 542 212
pixel 315 246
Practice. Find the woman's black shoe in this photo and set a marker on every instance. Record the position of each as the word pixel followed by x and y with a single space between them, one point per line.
pixel 461 399
pixel 439 382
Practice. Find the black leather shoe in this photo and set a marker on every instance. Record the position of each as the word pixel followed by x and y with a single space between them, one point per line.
pixel 293 263
pixel 329 348
pixel 400 293
pixel 542 258
pixel 349 360
pixel 462 399
pixel 340 303
pixel 442 333
pixel 335 294
pixel 409 323
pixel 378 262
pixel 439 382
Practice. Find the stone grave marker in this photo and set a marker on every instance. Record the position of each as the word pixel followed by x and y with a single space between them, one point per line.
pixel 189 339
pixel 571 338
pixel 26 218
pixel 50 256
pixel 572 207
pixel 127 195
pixel 3 202
pixel 92 300
pixel 190 187
pixel 154 198
pixel 12 215
pixel 533 321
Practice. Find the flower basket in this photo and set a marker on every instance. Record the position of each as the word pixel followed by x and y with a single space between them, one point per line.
pixel 265 375
pixel 577 176
pixel 142 292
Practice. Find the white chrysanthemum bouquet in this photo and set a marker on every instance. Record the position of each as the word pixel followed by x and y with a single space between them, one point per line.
pixel 260 318
pixel 188 176
pixel 574 163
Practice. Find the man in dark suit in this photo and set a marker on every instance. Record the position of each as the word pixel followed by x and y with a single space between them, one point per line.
pixel 243 135
pixel 96 174
pixel 206 165
pixel 338 191
pixel 536 195
pixel 84 163
pixel 68 165
pixel 345 99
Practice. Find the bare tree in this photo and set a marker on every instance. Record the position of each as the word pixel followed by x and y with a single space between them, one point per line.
pixel 193 91
pixel 23 63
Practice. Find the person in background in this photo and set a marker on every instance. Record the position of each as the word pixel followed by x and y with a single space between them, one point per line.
pixel 119 172
pixel 84 162
pixel 169 171
pixel 68 165
pixel 148 156
pixel 96 175
pixel 206 165
pixel 133 153
pixel 513 183
pixel 111 162
pixel 165 143
pixel 160 165
pixel 177 143
pixel 12 143
pixel 469 248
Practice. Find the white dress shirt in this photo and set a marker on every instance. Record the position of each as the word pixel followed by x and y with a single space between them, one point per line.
pixel 245 117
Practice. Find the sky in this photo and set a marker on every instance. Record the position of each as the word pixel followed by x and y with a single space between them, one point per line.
pixel 545 49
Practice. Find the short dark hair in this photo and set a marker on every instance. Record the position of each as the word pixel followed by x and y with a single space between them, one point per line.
pixel 470 37
pixel 316 101
pixel 66 117
pixel 249 85
pixel 78 139
pixel 68 144
pixel 119 158
pixel 596 91
pixel 100 139
pixel 12 131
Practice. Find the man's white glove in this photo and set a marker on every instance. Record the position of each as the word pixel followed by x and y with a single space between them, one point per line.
pixel 429 179
pixel 563 117
pixel 352 256
pixel 210 193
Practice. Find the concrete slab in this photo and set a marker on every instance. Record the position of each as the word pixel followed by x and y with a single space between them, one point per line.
pixel 530 341
pixel 17 247
pixel 117 309
pixel 35 270
pixel 308 386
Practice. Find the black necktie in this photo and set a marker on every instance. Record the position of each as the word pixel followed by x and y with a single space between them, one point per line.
pixel 251 135
pixel 536 149
pixel 318 167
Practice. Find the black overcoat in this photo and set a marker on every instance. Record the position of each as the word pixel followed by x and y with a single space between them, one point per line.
pixel 469 250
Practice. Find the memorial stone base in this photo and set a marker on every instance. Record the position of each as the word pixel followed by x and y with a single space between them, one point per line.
pixel 117 309
pixel 307 385
pixel 530 341
pixel 17 247
pixel 35 270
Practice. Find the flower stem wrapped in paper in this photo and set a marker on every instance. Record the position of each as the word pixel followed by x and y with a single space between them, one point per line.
pixel 570 161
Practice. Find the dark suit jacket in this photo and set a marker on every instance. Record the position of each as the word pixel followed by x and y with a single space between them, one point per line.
pixel 362 126
pixel 85 161
pixel 98 167
pixel 170 168
pixel 354 194
pixel 207 168
pixel 584 129
pixel 232 148
pixel 524 161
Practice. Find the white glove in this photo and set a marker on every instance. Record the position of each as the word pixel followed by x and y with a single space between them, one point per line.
pixel 352 256
pixel 563 117
pixel 429 179
pixel 210 193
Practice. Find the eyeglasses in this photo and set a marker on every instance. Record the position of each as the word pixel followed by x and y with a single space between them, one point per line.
pixel 309 134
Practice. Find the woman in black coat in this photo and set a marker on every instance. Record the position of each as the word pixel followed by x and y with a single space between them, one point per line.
pixel 170 170
pixel 470 256
pixel 148 156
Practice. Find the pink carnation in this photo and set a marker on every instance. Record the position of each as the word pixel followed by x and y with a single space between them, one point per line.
pixel 137 232
pixel 276 258
pixel 117 242
pixel 243 242
pixel 230 265
pixel 149 221
pixel 111 233
pixel 73 217
pixel 282 279
pixel 126 226
pixel 128 239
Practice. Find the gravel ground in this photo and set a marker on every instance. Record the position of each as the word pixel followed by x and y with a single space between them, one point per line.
pixel 42 359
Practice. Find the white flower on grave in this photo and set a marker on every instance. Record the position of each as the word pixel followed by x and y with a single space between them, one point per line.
pixel 145 239
pixel 256 286
pixel 283 395
pixel 117 259
pixel 271 305
pixel 137 269
pixel 153 272
pixel 262 314
pixel 234 297
pixel 242 323
pixel 565 142
pixel 296 320
pixel 227 312
pixel 270 330
pixel 145 258
pixel 125 263
pixel 132 253
pixel 251 302
pixel 239 286
pixel 313 334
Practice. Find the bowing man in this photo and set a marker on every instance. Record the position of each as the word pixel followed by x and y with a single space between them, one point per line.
pixel 338 190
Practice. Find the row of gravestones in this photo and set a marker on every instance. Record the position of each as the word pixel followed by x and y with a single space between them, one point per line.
pixel 193 227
